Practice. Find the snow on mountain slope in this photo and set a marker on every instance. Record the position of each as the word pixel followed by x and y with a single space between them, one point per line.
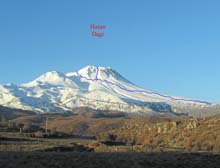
pixel 52 78
pixel 95 87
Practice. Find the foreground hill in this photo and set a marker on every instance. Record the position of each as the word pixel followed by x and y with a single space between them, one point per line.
pixel 158 132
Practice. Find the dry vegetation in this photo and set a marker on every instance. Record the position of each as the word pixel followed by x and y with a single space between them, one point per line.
pixel 118 135
pixel 147 132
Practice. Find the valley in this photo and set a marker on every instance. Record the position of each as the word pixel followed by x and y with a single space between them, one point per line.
pixel 90 138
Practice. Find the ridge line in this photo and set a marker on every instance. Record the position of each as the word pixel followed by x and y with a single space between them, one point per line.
pixel 140 91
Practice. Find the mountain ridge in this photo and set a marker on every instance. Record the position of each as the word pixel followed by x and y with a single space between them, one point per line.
pixel 96 87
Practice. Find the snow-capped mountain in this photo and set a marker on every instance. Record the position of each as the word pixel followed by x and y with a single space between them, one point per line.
pixel 95 87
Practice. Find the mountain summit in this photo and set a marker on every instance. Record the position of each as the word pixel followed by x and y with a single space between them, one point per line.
pixel 95 87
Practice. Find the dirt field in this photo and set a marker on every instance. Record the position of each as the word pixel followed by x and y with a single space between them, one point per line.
pixel 107 160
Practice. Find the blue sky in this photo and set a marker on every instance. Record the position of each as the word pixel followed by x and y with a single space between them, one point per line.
pixel 168 46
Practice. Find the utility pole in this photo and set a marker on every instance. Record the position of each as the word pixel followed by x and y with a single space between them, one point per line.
pixel 46 124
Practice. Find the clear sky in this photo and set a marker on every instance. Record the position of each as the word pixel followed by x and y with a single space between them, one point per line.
pixel 169 46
